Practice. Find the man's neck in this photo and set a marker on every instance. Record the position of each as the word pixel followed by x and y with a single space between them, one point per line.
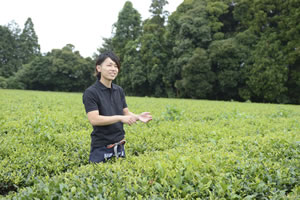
pixel 105 82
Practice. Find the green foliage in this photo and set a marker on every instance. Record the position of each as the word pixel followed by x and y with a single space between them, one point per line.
pixel 153 55
pixel 207 49
pixel 29 43
pixel 3 83
pixel 153 49
pixel 132 75
pixel 127 28
pixel 197 75
pixel 38 138
pixel 227 58
pixel 212 150
pixel 157 8
pixel 198 24
pixel 272 67
pixel 106 46
pixel 252 53
pixel 269 74
pixel 172 113
pixel 9 57
pixel 59 70
pixel 17 48
pixel 126 31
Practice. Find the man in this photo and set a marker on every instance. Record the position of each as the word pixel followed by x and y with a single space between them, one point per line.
pixel 107 111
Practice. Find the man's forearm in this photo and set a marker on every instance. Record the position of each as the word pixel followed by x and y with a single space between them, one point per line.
pixel 101 120
pixel 134 115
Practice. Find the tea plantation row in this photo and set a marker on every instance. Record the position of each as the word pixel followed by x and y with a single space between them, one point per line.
pixel 192 149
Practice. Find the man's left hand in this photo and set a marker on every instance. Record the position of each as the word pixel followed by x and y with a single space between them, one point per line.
pixel 145 117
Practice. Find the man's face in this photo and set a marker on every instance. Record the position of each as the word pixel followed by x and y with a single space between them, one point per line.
pixel 108 69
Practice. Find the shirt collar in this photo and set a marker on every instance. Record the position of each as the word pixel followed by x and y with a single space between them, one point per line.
pixel 103 87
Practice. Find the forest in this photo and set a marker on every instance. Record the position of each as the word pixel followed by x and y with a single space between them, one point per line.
pixel 232 50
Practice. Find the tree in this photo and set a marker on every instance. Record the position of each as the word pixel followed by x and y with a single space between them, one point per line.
pixel 133 77
pixel 106 46
pixel 197 77
pixel 16 48
pixel 197 24
pixel 157 9
pixel 127 28
pixel 227 60
pixel 269 73
pixel 215 49
pixel 28 43
pixel 273 65
pixel 153 49
pixel 59 70
pixel 9 54
pixel 173 51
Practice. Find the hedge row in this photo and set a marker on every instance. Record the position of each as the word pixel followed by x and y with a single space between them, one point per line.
pixel 191 149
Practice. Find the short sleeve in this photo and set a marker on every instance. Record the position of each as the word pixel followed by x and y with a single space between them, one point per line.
pixel 89 101
pixel 123 100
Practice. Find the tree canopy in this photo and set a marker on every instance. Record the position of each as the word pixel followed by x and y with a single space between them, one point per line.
pixel 207 49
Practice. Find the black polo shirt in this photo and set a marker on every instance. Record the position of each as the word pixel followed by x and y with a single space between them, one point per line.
pixel 108 101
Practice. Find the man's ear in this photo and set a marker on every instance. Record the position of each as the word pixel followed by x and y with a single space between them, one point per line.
pixel 98 68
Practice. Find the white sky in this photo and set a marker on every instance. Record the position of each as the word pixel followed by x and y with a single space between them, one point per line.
pixel 82 23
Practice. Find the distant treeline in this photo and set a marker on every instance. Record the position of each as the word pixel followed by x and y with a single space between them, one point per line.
pixel 207 49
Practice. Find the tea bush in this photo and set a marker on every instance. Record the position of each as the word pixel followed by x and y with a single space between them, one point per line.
pixel 192 149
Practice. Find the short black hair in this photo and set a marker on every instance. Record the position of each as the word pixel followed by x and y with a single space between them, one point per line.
pixel 102 57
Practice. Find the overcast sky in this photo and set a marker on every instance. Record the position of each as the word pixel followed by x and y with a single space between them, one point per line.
pixel 82 23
